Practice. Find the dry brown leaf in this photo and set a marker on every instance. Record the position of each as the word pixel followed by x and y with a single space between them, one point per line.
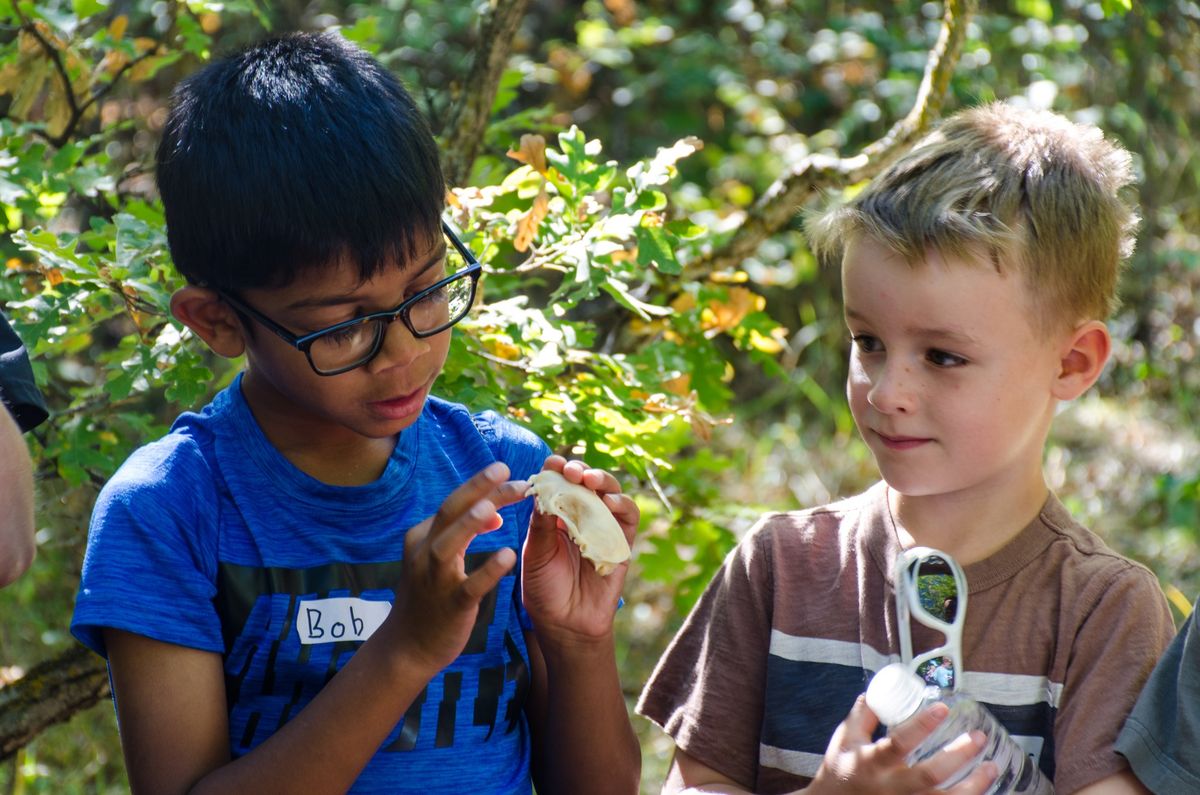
pixel 679 385
pixel 527 227
pixel 624 12
pixel 532 152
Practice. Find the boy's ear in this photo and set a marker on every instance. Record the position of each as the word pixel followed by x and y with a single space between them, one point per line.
pixel 1085 354
pixel 210 318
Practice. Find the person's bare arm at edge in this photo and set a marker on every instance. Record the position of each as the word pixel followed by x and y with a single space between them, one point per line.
pixel 583 740
pixel 1123 783
pixel 854 765
pixel 171 700
pixel 17 545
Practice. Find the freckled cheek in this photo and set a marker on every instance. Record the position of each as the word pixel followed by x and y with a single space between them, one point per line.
pixel 858 386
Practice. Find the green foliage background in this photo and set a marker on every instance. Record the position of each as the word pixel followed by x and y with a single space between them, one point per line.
pixel 716 395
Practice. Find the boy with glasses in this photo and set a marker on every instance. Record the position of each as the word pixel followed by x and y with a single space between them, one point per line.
pixel 977 272
pixel 312 585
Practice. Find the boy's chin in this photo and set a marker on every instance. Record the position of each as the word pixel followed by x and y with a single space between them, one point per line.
pixel 911 486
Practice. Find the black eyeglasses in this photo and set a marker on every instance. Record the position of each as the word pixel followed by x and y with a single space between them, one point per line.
pixel 352 343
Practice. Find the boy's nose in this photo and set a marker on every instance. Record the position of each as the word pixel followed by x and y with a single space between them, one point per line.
pixel 892 389
pixel 399 347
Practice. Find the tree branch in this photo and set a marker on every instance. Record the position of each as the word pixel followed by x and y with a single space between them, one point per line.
pixel 469 120
pixel 50 693
pixel 778 205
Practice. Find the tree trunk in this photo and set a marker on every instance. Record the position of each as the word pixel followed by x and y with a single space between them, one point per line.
pixel 474 111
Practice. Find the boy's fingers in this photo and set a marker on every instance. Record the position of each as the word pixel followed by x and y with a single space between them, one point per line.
pixel 475 488
pixel 485 578
pixel 978 782
pixel 509 492
pixel 450 541
pixel 908 735
pixel 625 511
pixel 949 760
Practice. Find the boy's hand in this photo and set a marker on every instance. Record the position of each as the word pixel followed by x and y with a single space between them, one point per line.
pixel 561 589
pixel 437 601
pixel 854 764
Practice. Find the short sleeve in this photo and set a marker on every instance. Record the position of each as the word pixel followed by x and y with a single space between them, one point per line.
pixel 18 389
pixel 707 690
pixel 1112 655
pixel 1162 734
pixel 151 560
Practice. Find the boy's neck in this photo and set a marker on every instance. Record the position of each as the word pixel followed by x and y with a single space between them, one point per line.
pixel 329 453
pixel 967 526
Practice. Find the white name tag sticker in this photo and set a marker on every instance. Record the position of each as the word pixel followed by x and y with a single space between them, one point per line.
pixel 339 619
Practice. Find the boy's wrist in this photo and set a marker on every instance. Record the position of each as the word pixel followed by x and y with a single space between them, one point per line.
pixel 566 648
pixel 402 657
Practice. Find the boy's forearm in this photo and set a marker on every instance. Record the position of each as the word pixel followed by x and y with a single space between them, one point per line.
pixel 16 508
pixel 325 747
pixel 586 742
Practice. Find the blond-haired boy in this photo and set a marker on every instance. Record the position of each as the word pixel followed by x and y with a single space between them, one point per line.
pixel 977 273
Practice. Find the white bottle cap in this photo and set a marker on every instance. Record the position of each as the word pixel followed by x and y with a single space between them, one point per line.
pixel 895 694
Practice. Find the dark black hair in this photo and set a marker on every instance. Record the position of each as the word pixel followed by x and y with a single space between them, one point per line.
pixel 291 155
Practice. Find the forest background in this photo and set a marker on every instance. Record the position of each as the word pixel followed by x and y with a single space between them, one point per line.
pixel 633 175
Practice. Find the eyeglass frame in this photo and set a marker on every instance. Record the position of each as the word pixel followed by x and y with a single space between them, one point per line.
pixel 304 342
pixel 908 606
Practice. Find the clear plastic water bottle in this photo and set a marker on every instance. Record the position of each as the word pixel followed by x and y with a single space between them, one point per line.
pixel 896 694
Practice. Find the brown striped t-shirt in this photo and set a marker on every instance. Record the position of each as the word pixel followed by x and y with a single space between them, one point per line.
pixel 1060 634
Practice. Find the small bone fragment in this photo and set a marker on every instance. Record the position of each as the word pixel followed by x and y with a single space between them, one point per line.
pixel 588 520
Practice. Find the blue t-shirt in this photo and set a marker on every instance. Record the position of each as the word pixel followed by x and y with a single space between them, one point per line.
pixel 209 538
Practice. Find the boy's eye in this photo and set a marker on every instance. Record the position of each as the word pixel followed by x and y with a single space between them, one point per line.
pixel 944 359
pixel 434 296
pixel 866 343
pixel 349 335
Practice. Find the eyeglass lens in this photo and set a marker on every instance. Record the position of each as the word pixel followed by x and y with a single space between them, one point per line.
pixel 434 311
pixel 936 589
pixel 937 594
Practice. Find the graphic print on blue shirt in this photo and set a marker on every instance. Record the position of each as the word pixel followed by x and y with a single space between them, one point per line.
pixel 268 683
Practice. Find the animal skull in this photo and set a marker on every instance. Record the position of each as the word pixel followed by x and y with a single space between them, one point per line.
pixel 588 520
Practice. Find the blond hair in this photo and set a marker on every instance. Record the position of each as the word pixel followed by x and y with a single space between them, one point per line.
pixel 1028 190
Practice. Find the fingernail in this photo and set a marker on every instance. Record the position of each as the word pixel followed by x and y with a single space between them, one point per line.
pixel 495 471
pixel 482 509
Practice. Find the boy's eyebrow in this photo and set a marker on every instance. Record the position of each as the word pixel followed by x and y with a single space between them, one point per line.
pixel 925 332
pixel 437 256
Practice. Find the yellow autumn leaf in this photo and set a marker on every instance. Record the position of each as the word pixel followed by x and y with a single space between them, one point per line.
pixel 53 276
pixel 722 316
pixel 765 343
pixel 117 27
pixel 112 62
pixel 684 302
pixel 527 227
pixel 56 110
pixel 501 348
pixel 29 83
